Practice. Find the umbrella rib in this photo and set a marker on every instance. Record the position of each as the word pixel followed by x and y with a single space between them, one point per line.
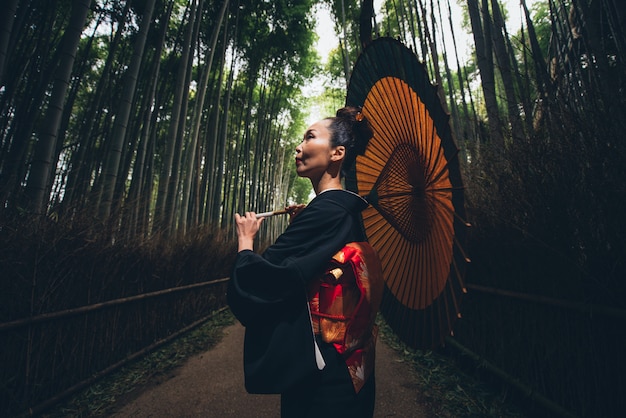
pixel 425 273
pixel 455 302
pixel 411 285
pixel 454 212
pixel 382 245
pixel 444 324
pixel 437 155
pixel 446 166
pixel 402 259
pixel 390 107
pixel 412 111
pixel 458 276
pixel 460 247
pixel 433 265
pixel 402 98
pixel 421 266
pixel 403 279
pixel 445 189
pixel 439 246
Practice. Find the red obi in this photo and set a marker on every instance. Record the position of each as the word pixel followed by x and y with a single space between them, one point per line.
pixel 344 303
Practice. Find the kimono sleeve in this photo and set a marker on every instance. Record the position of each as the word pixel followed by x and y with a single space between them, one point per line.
pixel 259 287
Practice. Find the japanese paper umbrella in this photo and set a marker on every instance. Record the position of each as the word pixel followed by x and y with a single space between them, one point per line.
pixel 410 175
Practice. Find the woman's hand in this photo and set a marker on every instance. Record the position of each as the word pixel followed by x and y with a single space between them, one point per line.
pixel 293 210
pixel 247 227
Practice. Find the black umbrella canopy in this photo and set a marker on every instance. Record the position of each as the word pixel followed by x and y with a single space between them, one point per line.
pixel 410 175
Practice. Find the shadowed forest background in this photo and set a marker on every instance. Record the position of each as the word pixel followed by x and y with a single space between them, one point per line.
pixel 132 131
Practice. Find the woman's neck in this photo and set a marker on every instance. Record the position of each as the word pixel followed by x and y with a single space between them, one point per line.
pixel 327 184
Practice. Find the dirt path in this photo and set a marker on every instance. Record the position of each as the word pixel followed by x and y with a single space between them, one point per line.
pixel 211 385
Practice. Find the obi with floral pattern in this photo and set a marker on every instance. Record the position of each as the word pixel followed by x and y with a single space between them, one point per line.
pixel 344 303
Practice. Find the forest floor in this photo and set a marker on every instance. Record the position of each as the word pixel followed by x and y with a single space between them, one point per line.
pixel 210 384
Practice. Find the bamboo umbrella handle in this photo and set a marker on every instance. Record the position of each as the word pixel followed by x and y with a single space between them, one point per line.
pixel 271 213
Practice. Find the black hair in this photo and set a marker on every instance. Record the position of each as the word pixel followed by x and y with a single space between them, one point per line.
pixel 350 128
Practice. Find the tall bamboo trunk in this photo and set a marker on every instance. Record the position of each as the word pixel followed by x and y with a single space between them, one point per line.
pixel 218 197
pixel 111 165
pixel 6 26
pixel 502 56
pixel 484 60
pixel 195 132
pixel 81 166
pixel 167 177
pixel 42 164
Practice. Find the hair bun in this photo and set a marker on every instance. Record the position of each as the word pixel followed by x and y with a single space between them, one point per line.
pixel 361 132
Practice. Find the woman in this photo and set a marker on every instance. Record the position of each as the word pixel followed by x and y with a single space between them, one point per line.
pixel 316 350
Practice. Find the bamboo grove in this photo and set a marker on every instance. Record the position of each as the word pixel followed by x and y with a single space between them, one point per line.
pixel 156 115
pixel 153 117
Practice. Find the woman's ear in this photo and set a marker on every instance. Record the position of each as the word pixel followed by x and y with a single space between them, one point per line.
pixel 338 153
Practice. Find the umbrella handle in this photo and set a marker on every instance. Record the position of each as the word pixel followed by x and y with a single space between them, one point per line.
pixel 271 213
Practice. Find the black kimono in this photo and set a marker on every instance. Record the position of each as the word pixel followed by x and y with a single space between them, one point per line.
pixel 267 293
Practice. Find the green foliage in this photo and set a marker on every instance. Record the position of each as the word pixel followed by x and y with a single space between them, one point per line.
pixel 335 66
pixel 540 13
pixel 280 30
pixel 301 190
pixel 271 48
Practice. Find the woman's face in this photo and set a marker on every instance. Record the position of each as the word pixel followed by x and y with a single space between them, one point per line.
pixel 315 153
